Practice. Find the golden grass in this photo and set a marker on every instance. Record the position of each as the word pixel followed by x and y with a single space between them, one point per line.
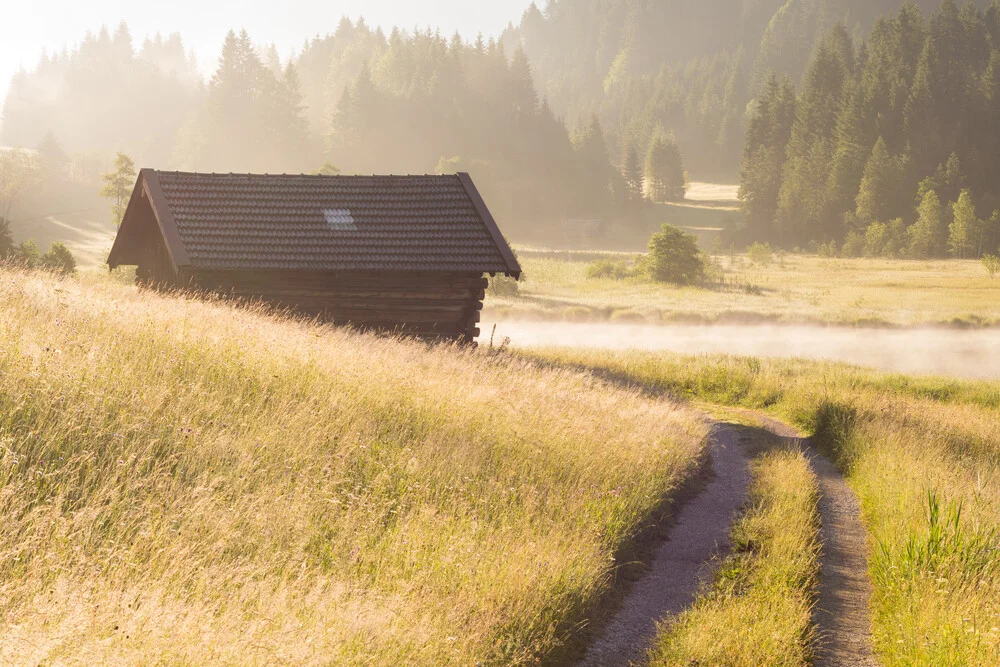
pixel 798 289
pixel 182 482
pixel 758 609
pixel 923 455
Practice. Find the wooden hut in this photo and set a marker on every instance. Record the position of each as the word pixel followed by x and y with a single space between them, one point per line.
pixel 406 254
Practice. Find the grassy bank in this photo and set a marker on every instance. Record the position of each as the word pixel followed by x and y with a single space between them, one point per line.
pixel 923 455
pixel 763 592
pixel 796 288
pixel 185 483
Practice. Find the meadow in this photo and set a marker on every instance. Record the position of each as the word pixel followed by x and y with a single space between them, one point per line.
pixel 185 482
pixel 790 289
pixel 923 456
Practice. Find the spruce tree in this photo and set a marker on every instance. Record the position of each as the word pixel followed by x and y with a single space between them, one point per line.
pixel 632 173
pixel 879 192
pixel 963 232
pixel 924 234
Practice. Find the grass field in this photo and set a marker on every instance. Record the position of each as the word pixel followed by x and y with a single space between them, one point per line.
pixel 923 455
pixel 763 592
pixel 182 482
pixel 794 289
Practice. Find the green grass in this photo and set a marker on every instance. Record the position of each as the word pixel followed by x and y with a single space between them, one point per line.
pixel 923 455
pixel 183 482
pixel 762 594
pixel 799 289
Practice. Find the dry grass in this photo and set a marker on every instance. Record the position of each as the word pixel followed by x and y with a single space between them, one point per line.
pixel 923 455
pixel 758 610
pixel 186 483
pixel 797 288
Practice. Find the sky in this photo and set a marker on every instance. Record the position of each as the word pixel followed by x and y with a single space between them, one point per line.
pixel 26 28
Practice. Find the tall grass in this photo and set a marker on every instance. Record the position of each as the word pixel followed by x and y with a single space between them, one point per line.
pixel 923 455
pixel 182 482
pixel 758 609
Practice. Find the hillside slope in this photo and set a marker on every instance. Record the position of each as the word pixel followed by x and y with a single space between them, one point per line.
pixel 185 482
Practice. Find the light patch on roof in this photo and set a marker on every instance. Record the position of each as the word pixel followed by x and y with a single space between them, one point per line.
pixel 340 219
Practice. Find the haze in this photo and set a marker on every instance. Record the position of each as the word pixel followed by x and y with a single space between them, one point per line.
pixel 59 23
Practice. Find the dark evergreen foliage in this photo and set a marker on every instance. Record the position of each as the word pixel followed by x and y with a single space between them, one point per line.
pixel 896 127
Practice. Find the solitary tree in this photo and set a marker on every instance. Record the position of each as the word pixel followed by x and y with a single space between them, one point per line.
pixel 118 185
pixel 674 257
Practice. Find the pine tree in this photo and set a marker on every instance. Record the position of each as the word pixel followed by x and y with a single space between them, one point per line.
pixel 768 134
pixel 632 173
pixel 524 98
pixel 881 186
pixel 924 234
pixel 664 173
pixel 118 185
pixel 964 228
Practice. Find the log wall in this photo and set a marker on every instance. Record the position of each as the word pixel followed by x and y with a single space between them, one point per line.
pixel 428 305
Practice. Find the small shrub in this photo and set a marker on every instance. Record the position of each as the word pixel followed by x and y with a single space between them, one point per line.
pixel 674 257
pixel 992 265
pixel 28 254
pixel 628 317
pixel 760 254
pixel 829 249
pixel 854 245
pixel 59 258
pixel 577 314
pixel 504 286
pixel 612 268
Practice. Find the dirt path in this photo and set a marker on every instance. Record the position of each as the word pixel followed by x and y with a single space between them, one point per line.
pixel 842 611
pixel 681 563
pixel 701 534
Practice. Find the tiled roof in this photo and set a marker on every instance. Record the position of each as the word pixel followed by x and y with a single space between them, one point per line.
pixel 333 223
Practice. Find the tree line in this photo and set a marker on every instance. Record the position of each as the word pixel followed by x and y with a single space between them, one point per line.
pixel 890 145
pixel 353 101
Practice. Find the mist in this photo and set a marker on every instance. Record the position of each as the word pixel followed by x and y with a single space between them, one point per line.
pixel 950 352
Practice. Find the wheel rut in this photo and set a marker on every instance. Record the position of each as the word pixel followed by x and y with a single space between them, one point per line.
pixel 842 613
pixel 700 537
pixel 681 563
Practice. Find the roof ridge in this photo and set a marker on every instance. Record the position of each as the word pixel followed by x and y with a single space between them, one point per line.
pixel 292 175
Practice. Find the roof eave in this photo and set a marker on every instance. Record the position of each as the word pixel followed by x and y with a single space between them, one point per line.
pixel 513 266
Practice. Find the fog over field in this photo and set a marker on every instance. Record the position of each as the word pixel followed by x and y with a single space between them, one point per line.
pixel 953 352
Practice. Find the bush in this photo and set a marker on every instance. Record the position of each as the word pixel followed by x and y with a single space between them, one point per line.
pixel 992 265
pixel 854 245
pixel 28 254
pixel 615 269
pixel 503 286
pixel 674 257
pixel 59 258
pixel 760 254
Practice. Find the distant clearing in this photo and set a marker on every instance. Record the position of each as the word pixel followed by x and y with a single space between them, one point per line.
pixel 792 289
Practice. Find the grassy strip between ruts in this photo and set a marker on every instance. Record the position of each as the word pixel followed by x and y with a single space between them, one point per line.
pixel 762 593
pixel 923 455
pixel 183 482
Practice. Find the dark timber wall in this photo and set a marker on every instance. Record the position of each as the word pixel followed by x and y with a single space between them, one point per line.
pixel 430 305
